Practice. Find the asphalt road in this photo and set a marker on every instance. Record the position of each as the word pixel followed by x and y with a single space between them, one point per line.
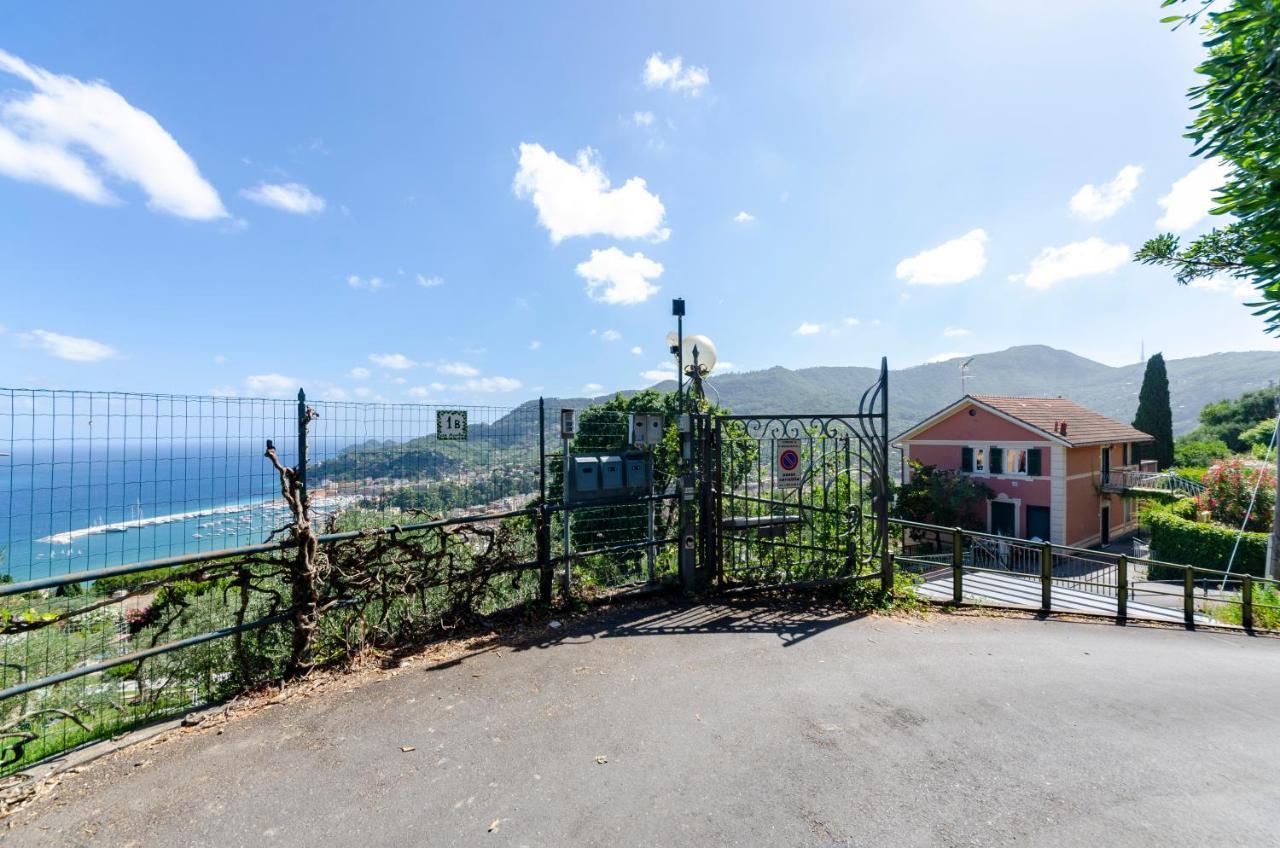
pixel 750 726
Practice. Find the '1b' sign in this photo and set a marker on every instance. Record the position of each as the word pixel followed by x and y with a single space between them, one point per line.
pixel 451 424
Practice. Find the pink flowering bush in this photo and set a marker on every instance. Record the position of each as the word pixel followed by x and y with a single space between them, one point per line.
pixel 1229 486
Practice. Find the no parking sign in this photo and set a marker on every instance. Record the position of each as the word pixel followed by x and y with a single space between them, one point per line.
pixel 787 463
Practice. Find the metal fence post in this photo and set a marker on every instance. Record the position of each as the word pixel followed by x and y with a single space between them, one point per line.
pixel 651 518
pixel 1189 597
pixel 1122 588
pixel 957 566
pixel 566 578
pixel 1046 577
pixel 543 528
pixel 1246 602
pixel 302 450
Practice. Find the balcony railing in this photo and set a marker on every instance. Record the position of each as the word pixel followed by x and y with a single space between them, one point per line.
pixel 1127 478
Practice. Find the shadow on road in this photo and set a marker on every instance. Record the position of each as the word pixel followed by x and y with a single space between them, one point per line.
pixel 792 621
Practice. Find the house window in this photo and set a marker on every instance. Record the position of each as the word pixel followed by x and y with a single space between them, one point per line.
pixel 980 460
pixel 1015 461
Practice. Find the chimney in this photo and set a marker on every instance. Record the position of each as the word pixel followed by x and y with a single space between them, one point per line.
pixel 1062 427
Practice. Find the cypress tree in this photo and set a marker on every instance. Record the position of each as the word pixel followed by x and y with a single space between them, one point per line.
pixel 1155 416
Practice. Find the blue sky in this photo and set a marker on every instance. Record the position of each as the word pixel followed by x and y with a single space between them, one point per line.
pixel 409 201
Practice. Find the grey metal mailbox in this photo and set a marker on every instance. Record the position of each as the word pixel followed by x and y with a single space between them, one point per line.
pixel 637 473
pixel 586 474
pixel 611 472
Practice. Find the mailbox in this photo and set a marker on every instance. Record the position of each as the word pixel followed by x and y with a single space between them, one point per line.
pixel 611 472
pixel 586 474
pixel 637 473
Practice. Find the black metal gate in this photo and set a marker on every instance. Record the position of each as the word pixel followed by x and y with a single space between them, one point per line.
pixel 798 499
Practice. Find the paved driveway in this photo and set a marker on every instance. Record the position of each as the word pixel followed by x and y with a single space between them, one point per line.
pixel 754 726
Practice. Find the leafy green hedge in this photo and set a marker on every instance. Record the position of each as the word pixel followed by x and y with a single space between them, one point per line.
pixel 1178 539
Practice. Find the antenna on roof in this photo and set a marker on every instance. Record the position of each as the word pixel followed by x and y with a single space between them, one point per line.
pixel 964 376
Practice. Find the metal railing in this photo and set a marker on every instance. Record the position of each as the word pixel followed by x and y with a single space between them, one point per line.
pixel 1130 478
pixel 149 559
pixel 960 566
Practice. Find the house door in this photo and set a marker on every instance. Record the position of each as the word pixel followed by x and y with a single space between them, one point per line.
pixel 1004 518
pixel 1038 523
pixel 1105 533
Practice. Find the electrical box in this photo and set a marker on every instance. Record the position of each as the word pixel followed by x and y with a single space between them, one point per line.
pixel 637 472
pixel 586 474
pixel 567 424
pixel 611 473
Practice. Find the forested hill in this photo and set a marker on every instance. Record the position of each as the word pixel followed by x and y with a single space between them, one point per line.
pixel 914 394
pixel 1035 370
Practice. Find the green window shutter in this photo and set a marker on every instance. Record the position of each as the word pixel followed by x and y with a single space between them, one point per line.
pixel 1033 462
pixel 966 459
pixel 997 460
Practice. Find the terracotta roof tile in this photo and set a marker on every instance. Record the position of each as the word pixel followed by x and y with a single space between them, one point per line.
pixel 1084 426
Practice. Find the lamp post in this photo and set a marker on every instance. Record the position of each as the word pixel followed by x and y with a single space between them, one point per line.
pixel 700 353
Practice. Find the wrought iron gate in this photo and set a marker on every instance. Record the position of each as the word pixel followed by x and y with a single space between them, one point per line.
pixel 798 499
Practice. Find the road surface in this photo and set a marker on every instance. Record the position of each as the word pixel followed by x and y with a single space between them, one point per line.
pixel 734 725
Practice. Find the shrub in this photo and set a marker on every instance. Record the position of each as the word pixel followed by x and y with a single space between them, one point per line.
pixel 1266 608
pixel 1177 539
pixel 1192 472
pixel 1229 488
pixel 1199 452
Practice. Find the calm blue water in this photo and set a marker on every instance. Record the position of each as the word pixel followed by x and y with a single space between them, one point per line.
pixel 166 500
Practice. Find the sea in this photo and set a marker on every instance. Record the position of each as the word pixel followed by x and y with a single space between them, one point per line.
pixel 68 510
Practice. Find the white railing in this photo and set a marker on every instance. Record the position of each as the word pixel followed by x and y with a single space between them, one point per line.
pixel 1128 478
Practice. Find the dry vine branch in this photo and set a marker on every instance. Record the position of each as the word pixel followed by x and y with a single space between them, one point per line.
pixel 304 580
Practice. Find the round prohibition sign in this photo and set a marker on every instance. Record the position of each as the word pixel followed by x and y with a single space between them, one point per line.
pixel 789 460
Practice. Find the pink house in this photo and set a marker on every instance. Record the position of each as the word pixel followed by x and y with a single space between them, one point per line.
pixel 1049 461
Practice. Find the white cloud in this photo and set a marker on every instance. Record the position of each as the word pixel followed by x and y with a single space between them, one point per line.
pixel 851 322
pixel 458 369
pixel 614 277
pixel 46 134
pixel 943 357
pixel 535 345
pixel 1190 199
pixel 271 385
pixel 70 348
pixel 576 199
pixel 808 328
pixel 955 332
pixel 611 335
pixel 637 350
pixel 1096 203
pixel 289 197
pixel 664 371
pixel 430 282
pixel 722 366
pixel 673 75
pixel 950 262
pixel 419 392
pixel 592 389
pixel 220 360
pixel 223 391
pixel 1226 283
pixel 1078 259
pixel 642 119
pixel 358 373
pixel 372 284
pixel 491 384
pixel 395 361
pixel 744 217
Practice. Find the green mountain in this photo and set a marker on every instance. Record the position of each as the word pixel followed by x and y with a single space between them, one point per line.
pixel 1037 370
